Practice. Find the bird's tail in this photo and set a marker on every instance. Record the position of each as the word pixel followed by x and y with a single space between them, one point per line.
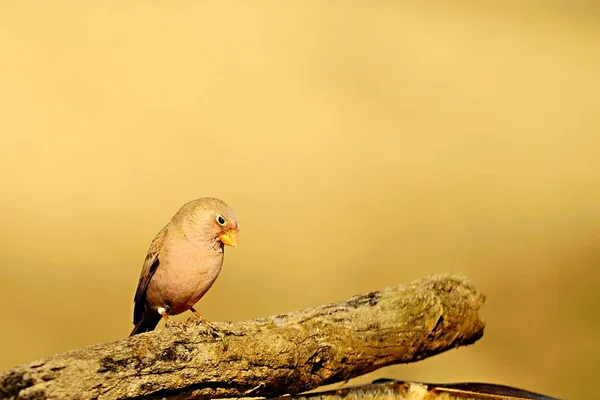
pixel 147 323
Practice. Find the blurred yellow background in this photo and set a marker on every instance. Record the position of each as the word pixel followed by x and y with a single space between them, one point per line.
pixel 362 144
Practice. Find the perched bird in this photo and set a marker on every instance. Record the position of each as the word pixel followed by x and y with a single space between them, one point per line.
pixel 183 262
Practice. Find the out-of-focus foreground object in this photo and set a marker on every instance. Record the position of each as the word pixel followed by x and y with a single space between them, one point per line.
pixel 391 389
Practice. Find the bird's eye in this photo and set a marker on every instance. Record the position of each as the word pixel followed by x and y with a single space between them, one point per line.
pixel 220 220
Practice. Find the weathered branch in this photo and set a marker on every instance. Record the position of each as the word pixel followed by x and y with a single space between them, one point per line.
pixel 270 356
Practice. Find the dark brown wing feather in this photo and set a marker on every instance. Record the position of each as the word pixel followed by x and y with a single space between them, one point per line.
pixel 151 263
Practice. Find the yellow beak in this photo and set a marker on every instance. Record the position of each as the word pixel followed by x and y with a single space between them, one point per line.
pixel 229 238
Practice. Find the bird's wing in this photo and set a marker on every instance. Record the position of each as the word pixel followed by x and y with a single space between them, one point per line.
pixel 150 265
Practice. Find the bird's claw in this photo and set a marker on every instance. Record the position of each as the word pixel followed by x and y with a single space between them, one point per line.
pixel 212 330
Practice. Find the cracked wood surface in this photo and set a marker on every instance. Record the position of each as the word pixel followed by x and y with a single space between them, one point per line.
pixel 272 356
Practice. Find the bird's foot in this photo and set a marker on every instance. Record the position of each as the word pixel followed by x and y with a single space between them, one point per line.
pixel 212 330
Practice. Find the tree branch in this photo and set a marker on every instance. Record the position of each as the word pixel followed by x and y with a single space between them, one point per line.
pixel 271 356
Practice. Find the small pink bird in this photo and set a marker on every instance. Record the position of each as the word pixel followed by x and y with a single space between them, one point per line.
pixel 183 262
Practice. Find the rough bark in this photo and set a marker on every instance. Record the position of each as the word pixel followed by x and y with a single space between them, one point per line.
pixel 271 356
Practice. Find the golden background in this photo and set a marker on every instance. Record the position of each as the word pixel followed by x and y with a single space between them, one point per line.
pixel 362 144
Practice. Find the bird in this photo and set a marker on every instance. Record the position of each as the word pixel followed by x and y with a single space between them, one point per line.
pixel 183 262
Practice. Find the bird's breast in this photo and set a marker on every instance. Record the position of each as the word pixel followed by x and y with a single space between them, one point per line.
pixel 185 275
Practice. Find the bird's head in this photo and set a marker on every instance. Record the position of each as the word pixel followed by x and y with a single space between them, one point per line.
pixel 210 219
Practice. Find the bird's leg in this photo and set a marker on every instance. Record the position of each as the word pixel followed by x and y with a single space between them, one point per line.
pixel 169 323
pixel 199 319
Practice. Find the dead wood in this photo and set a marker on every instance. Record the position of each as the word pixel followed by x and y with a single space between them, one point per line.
pixel 288 353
